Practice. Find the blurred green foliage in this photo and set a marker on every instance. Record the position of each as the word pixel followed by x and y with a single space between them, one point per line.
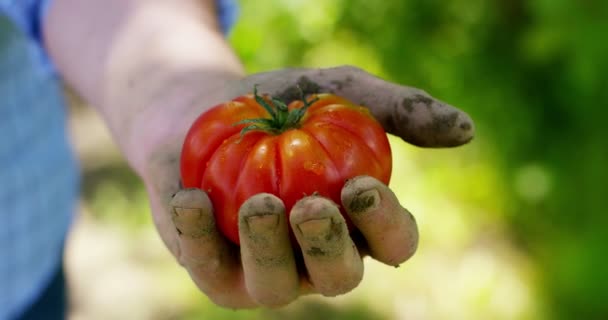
pixel 512 225
pixel 532 74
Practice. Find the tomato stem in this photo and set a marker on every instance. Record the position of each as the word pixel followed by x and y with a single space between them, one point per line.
pixel 281 118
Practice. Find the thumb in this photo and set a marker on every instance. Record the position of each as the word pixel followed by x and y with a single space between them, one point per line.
pixel 407 112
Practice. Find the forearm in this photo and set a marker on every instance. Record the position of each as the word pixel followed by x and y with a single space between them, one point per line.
pixel 139 62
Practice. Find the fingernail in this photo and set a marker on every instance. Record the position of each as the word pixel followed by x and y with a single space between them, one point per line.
pixel 189 222
pixel 316 228
pixel 262 223
pixel 323 238
pixel 366 201
pixel 185 215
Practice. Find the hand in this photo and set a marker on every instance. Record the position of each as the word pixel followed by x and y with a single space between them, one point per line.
pixel 263 270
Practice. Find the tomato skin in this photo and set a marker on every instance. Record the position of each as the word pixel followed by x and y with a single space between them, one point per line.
pixel 336 141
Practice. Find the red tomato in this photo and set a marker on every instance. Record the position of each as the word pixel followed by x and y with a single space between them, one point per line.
pixel 330 142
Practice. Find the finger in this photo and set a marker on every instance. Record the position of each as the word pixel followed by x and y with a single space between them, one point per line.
pixel 269 267
pixel 389 229
pixel 211 262
pixel 407 112
pixel 331 258
pixel 161 178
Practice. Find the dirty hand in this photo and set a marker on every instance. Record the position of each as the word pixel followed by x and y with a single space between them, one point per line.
pixel 263 270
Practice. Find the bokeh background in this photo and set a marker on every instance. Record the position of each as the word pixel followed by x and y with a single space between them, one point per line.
pixel 513 225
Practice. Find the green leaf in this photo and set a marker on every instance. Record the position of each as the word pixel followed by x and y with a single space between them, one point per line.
pixel 255 127
pixel 262 121
pixel 263 102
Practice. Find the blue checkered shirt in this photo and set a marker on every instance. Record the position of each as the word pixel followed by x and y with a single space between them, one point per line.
pixel 38 171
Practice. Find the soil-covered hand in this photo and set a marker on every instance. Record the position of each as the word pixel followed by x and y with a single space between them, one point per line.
pixel 264 270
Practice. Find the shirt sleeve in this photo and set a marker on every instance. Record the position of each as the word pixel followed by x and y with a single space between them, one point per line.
pixel 227 12
pixel 27 15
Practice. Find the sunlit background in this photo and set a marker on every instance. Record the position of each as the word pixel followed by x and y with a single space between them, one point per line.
pixel 513 225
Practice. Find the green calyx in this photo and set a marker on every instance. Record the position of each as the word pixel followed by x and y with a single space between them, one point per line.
pixel 281 119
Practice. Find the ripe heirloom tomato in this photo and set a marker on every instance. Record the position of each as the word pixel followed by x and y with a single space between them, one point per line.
pixel 256 144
